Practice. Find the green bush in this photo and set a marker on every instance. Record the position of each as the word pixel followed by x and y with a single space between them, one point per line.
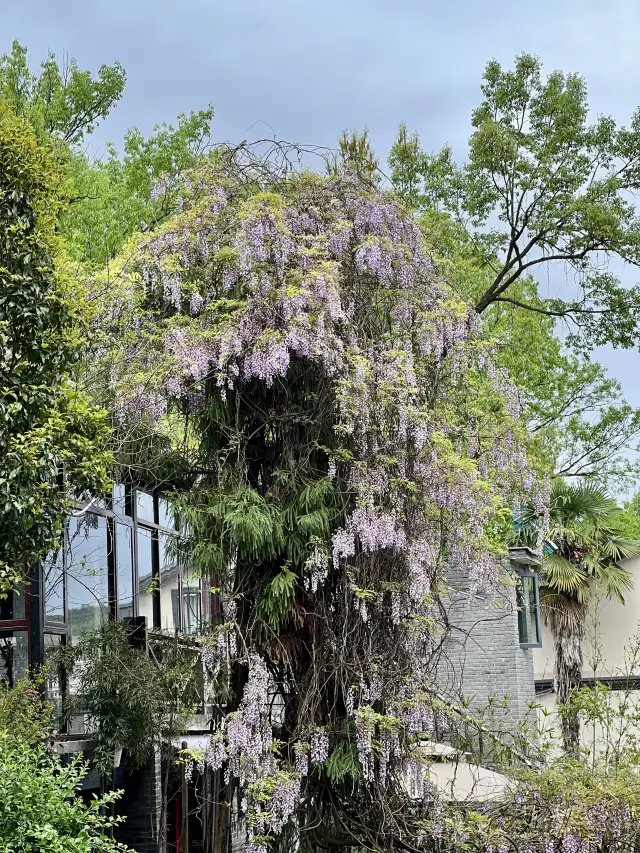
pixel 40 807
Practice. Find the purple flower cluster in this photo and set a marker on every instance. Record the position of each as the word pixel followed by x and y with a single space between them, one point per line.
pixel 319 750
pixel 337 277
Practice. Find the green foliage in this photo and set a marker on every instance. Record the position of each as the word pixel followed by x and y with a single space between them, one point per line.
pixel 134 702
pixel 47 425
pixel 540 185
pixel 65 103
pixel 628 522
pixel 556 185
pixel 578 419
pixel 356 155
pixel 41 810
pixel 114 197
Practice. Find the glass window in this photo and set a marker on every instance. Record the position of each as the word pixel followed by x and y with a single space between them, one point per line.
pixel 169 583
pixel 14 605
pixel 144 506
pixel 145 575
pixel 124 570
pixel 87 575
pixel 119 499
pixel 166 516
pixel 53 575
pixel 528 603
pixel 14 661
pixel 191 609
pixel 52 643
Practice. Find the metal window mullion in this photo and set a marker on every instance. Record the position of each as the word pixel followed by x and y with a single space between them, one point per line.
pixel 155 574
pixel 112 580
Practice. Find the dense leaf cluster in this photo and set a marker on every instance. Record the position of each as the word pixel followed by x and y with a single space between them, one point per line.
pixel 48 430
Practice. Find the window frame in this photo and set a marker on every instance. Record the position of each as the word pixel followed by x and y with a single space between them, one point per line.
pixel 520 575
pixel 130 519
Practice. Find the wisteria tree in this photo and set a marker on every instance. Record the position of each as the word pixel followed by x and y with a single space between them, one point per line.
pixel 339 436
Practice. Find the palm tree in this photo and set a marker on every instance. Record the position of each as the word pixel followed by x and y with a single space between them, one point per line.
pixel 583 551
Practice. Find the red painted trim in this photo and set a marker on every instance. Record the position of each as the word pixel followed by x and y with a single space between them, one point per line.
pixel 14 625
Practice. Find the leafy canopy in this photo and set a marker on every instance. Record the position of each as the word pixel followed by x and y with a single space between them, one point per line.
pixel 64 103
pixel 541 185
pixel 581 423
pixel 47 427
pixel 114 197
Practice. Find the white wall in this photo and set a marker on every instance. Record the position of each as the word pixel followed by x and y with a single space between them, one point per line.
pixel 615 626
pixel 617 727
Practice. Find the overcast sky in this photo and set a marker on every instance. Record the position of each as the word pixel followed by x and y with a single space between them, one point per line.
pixel 307 70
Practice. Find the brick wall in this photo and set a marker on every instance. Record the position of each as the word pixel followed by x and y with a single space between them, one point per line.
pixel 141 804
pixel 482 656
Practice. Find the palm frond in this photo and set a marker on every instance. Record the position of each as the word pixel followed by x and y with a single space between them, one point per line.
pixel 614 581
pixel 572 502
pixel 617 548
pixel 562 575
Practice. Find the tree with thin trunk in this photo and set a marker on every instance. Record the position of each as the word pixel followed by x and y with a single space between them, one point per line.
pixel 583 554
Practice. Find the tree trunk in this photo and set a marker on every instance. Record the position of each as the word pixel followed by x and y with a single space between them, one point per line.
pixel 566 622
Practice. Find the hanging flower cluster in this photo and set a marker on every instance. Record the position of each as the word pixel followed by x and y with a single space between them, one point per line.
pixel 246 289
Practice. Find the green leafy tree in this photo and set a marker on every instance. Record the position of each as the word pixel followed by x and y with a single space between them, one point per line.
pixel 48 429
pixel 41 809
pixel 582 555
pixel 115 197
pixel 576 413
pixel 65 103
pixel 541 186
pixel 112 197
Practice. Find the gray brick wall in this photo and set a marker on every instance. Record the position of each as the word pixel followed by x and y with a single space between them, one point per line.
pixel 482 655
pixel 141 804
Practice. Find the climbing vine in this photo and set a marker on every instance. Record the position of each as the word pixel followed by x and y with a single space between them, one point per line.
pixel 342 440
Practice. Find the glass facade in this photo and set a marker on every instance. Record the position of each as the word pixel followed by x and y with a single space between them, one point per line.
pixel 118 560
pixel 14 660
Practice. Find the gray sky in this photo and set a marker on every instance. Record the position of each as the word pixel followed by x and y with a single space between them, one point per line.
pixel 311 69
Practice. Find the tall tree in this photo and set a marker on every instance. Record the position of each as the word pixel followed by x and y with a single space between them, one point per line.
pixel 48 430
pixel 342 435
pixel 583 553
pixel 576 412
pixel 66 102
pixel 541 186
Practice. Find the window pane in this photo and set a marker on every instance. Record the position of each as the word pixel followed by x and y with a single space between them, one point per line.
pixel 87 578
pixel 144 506
pixel 124 570
pixel 52 643
pixel 191 600
pixel 13 606
pixel 527 602
pixel 165 514
pixel 191 609
pixel 169 618
pixel 13 657
pixel 119 499
pixel 145 575
pixel 53 571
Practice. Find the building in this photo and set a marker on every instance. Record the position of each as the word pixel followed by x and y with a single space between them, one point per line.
pixel 611 655
pixel 487 660
pixel 119 561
